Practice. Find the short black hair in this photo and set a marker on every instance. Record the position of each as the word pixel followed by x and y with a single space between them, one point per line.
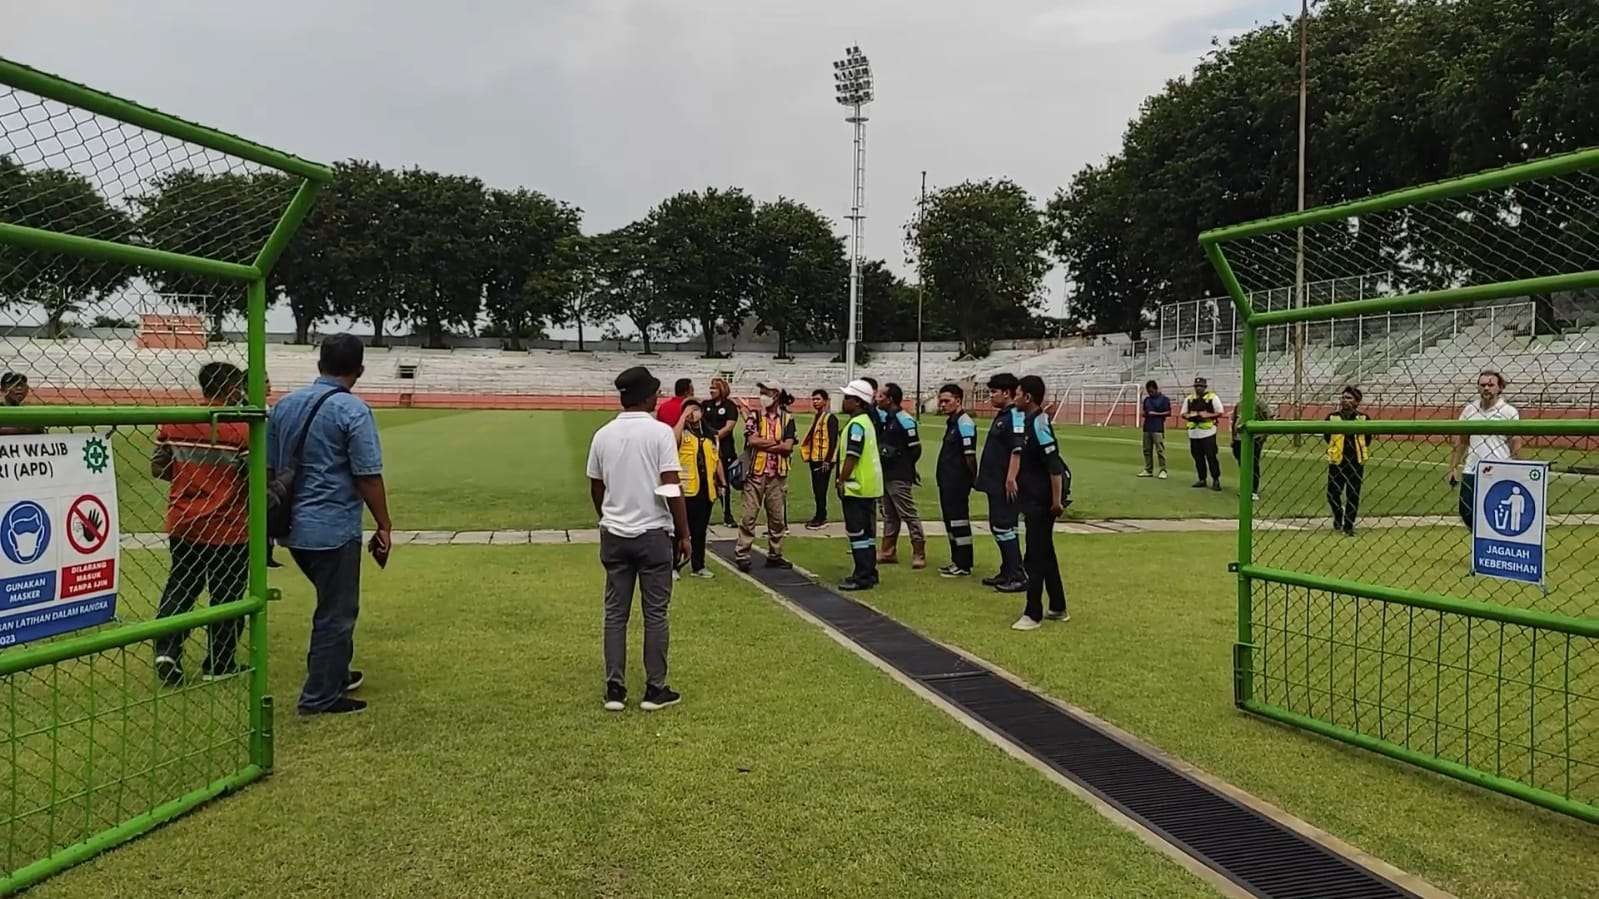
pixel 1151 385
pixel 1033 386
pixel 1354 391
pixel 953 390
pixel 1496 376
pixel 683 386
pixel 692 402
pixel 896 394
pixel 11 379
pixel 342 356
pixel 871 381
pixel 217 378
pixel 1003 381
pixel 821 393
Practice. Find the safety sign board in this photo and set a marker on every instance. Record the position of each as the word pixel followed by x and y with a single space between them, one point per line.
pixel 59 552
pixel 1507 534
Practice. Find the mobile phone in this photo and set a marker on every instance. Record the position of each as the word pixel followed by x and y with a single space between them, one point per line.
pixel 380 553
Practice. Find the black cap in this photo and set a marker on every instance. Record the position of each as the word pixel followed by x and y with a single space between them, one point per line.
pixel 636 385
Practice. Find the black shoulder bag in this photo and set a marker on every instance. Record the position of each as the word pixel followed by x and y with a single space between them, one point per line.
pixel 282 483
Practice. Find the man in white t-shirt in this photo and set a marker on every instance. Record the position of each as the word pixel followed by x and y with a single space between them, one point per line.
pixel 633 464
pixel 1200 412
pixel 1474 448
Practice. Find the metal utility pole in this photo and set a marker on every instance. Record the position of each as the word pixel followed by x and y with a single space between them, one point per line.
pixel 921 215
pixel 852 78
pixel 1299 255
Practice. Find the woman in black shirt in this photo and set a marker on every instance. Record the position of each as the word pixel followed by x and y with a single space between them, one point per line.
pixel 722 414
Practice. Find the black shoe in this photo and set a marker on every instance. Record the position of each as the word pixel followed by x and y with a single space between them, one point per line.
pixel 1216 486
pixel 169 671
pixel 615 697
pixel 743 565
pixel 728 523
pixel 344 705
pixel 657 698
pixel 1338 525
pixel 1062 615
pixel 995 580
pixel 778 562
pixel 1349 531
pixel 1198 484
pixel 353 681
pixel 954 571
pixel 1011 586
pixel 815 525
pixel 273 563
pixel 852 584
pixel 217 672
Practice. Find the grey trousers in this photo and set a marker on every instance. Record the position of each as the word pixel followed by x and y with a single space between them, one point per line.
pixel 1154 443
pixel 899 505
pixel 646 559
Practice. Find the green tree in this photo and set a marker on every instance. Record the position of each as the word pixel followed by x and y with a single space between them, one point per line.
pixel 226 216
pixel 1088 226
pixel 570 285
pixel 801 275
pixel 447 259
pixel 624 284
pixel 64 202
pixel 704 264
pixel 981 246
pixel 523 230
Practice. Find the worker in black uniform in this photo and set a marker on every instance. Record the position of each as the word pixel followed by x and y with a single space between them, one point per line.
pixel 1043 494
pixel 996 478
pixel 957 471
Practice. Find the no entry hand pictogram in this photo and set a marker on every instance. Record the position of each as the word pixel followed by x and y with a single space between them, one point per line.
pixel 88 524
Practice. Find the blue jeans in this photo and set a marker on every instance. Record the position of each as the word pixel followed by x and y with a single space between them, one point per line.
pixel 1468 498
pixel 336 575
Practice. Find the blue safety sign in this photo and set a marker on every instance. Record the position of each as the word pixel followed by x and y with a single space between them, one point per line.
pixel 1507 534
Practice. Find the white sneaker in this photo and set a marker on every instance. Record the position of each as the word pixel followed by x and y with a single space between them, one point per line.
pixel 702 573
pixel 1162 474
pixel 1026 624
pixel 1145 474
pixel 1255 497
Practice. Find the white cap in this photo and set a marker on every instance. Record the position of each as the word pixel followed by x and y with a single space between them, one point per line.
pixel 860 390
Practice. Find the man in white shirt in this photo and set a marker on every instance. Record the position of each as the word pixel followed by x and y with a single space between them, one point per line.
pixel 633 463
pixel 1474 448
pixel 1200 412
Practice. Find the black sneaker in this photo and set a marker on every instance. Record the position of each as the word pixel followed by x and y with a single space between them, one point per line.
pixel 1349 531
pixel 657 698
pixel 994 580
pixel 344 705
pixel 1216 486
pixel 728 523
pixel 218 672
pixel 169 671
pixel 815 525
pixel 954 571
pixel 615 697
pixel 743 565
pixel 852 584
pixel 353 681
pixel 1062 615
pixel 1198 484
pixel 1011 586
pixel 778 562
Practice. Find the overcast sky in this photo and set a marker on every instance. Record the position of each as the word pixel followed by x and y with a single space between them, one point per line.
pixel 614 104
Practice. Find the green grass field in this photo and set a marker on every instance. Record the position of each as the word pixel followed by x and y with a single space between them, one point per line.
pixel 793 768
pixel 486 767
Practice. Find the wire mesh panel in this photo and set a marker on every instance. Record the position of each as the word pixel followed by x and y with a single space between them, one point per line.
pixel 1382 600
pixel 131 244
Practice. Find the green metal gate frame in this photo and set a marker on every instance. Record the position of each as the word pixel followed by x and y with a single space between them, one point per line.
pixel 15 661
pixel 1249 573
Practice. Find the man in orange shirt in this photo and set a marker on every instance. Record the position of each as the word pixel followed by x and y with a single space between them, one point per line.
pixel 207 522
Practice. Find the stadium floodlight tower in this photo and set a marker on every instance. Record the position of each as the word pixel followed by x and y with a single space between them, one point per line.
pixel 852 77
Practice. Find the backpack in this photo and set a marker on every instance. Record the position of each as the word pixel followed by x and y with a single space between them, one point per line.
pixel 283 482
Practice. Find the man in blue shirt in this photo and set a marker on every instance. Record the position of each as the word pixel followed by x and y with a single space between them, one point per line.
pixel 900 444
pixel 341 470
pixel 1154 410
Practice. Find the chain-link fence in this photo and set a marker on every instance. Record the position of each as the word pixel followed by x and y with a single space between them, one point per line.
pixel 132 616
pixel 1416 550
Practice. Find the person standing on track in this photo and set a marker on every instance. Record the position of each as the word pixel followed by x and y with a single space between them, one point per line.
pixel 769 435
pixel 1044 491
pixel 996 479
pixel 703 477
pixel 1263 412
pixel 1154 410
pixel 632 464
pixel 818 450
pixel 860 483
pixel 721 415
pixel 1490 405
pixel 1201 409
pixel 1346 463
pixel 901 449
pixel 957 471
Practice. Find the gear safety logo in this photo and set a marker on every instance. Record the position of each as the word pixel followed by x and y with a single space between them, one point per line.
pixel 95 455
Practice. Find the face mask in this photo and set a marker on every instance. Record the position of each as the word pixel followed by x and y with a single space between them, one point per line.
pixel 770 401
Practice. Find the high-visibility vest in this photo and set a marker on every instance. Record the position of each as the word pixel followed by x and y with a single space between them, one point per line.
pixel 1337 442
pixel 866 479
pixel 817 446
pixel 762 462
pixel 688 454
pixel 1210 424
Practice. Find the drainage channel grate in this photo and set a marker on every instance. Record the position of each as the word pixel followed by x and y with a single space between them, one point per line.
pixel 1258 854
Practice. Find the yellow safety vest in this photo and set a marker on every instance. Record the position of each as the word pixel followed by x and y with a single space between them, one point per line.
pixel 688 454
pixel 816 447
pixel 1336 442
pixel 1210 424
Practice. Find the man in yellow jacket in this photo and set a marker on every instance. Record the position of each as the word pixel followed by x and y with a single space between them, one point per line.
pixel 818 449
pixel 1346 463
